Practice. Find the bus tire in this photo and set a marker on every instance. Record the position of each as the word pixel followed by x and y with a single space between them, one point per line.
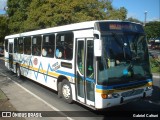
pixel 18 71
pixel 59 90
pixel 66 91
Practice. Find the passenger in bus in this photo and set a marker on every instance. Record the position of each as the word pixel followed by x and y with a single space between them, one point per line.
pixel 64 53
pixel 26 51
pixel 44 52
pixel 50 53
pixel 36 51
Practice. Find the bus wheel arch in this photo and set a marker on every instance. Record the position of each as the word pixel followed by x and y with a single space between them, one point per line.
pixel 64 89
pixel 18 71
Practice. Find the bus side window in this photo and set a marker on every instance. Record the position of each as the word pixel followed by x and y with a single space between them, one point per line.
pixel 64 46
pixel 48 45
pixel 36 45
pixel 15 45
pixel 90 57
pixel 27 45
pixel 6 45
pixel 20 45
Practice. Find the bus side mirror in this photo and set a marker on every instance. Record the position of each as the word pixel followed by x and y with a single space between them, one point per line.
pixel 98 47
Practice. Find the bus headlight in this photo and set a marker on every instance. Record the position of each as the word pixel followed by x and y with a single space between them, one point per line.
pixel 115 95
pixel 109 96
pixel 148 88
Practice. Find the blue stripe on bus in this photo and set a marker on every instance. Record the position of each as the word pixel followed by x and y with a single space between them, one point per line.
pixel 90 80
pixel 49 69
pixel 73 75
pixel 65 73
pixel 121 85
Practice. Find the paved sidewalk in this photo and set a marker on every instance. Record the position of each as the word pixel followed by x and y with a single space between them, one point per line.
pixel 156 75
pixel 18 99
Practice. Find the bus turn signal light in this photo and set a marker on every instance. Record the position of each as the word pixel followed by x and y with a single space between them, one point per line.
pixel 104 96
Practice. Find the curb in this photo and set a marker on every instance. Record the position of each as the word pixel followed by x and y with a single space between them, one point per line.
pixel 156 76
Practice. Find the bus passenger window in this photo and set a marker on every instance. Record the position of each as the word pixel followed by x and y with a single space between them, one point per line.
pixel 27 45
pixel 15 45
pixel 6 45
pixel 20 45
pixel 64 46
pixel 36 45
pixel 48 45
pixel 90 57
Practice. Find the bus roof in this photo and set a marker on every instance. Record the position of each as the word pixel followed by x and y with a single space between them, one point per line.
pixel 69 27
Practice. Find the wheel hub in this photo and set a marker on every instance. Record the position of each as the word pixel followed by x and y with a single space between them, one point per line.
pixel 66 91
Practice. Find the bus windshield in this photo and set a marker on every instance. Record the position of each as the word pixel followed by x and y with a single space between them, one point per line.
pixel 124 58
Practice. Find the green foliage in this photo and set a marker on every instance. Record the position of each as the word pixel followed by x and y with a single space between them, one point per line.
pixel 155 65
pixel 3 27
pixel 134 20
pixel 49 13
pixel 152 29
pixel 17 12
pixel 113 13
pixel 26 15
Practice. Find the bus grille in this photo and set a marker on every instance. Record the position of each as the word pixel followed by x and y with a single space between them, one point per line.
pixel 131 93
pixel 130 87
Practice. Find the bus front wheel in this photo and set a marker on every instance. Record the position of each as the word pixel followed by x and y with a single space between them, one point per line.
pixel 66 91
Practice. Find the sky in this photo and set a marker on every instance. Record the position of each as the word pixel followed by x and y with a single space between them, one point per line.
pixel 3 4
pixel 136 8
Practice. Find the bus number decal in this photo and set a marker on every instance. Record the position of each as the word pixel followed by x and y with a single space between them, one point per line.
pixel 55 66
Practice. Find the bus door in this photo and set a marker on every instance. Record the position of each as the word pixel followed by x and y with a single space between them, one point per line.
pixel 85 71
pixel 10 49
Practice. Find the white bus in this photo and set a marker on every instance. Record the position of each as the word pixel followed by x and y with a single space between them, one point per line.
pixel 97 63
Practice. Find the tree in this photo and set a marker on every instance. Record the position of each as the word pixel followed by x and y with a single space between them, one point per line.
pixel 113 13
pixel 60 12
pixel 26 15
pixel 152 29
pixel 17 13
pixel 134 20
pixel 3 28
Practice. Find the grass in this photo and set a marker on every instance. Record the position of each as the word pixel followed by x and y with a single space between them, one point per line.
pixel 2 95
pixel 155 65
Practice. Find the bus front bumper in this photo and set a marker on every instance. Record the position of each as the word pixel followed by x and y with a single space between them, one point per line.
pixel 122 97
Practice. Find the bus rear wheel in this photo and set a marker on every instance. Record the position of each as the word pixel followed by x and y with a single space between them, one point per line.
pixel 66 91
pixel 18 71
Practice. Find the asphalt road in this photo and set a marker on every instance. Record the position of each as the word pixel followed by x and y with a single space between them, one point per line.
pixel 155 53
pixel 150 106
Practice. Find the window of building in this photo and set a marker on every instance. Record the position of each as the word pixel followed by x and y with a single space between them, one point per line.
pixel 27 45
pixel 64 45
pixel 48 45
pixel 36 45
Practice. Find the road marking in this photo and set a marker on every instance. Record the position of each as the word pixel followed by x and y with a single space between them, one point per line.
pixel 152 102
pixel 1 58
pixel 49 105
